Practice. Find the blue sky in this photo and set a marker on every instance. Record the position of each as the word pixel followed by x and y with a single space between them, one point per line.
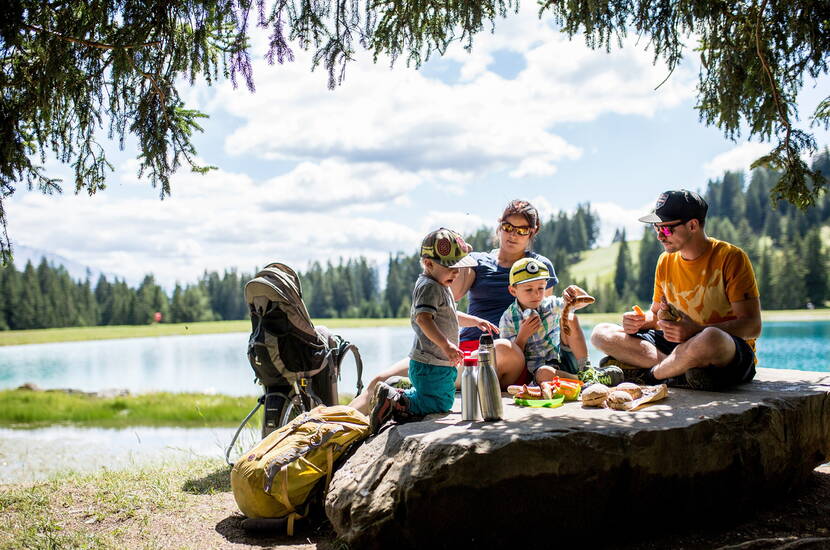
pixel 306 173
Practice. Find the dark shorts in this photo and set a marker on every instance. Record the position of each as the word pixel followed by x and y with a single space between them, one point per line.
pixel 739 371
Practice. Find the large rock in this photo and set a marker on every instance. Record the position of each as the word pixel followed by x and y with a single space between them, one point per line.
pixel 443 482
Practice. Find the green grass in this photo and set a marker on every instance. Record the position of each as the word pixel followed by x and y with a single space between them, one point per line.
pixel 75 334
pixel 30 409
pixel 151 507
pixel 597 266
pixel 35 408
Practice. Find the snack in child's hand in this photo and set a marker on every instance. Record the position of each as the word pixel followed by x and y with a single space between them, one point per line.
pixel 637 309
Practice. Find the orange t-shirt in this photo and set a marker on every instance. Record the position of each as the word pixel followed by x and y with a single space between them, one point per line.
pixel 704 288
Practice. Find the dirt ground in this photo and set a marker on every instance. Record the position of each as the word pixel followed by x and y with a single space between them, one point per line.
pixel 801 521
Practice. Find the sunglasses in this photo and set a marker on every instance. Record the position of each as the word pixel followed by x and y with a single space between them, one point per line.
pixel 523 230
pixel 667 229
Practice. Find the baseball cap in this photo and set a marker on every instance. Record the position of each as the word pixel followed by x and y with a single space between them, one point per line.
pixel 526 270
pixel 448 248
pixel 677 205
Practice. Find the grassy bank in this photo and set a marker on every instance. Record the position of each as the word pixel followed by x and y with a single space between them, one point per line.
pixel 76 334
pixel 35 408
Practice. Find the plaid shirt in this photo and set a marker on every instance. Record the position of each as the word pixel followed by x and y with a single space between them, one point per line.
pixel 542 346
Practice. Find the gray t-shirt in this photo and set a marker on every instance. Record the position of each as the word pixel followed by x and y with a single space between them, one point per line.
pixel 431 297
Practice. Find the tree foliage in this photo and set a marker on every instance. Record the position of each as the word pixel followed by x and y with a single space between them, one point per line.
pixel 75 71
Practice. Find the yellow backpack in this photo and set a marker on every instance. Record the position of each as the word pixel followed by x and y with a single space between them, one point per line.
pixel 275 478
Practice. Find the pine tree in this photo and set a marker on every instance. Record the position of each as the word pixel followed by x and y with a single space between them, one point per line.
pixel 28 314
pixel 815 261
pixel 788 286
pixel 624 272
pixel 650 250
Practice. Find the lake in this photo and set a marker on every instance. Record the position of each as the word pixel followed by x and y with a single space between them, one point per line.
pixel 217 363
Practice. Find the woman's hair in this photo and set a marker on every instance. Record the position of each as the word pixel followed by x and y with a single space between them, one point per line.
pixel 522 208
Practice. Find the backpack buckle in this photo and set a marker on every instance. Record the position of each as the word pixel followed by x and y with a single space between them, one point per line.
pixel 304 382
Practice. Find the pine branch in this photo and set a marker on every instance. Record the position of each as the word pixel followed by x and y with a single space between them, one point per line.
pixel 91 43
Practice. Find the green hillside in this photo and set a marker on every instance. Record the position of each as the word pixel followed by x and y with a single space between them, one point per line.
pixel 597 266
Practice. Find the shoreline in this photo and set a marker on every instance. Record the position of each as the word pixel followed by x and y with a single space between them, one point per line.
pixel 81 334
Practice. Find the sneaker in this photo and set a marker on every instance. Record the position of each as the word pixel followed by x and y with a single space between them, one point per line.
pixel 630 373
pixel 382 406
pixel 400 409
pixel 610 376
pixel 702 379
pixel 400 382
pixel 609 361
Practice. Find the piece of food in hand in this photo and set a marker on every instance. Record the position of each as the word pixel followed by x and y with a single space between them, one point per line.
pixel 670 314
pixel 632 389
pixel 595 395
pixel 567 312
pixel 620 400
pixel 637 309
pixel 514 389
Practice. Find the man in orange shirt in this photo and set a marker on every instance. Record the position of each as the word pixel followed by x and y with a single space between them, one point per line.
pixel 705 315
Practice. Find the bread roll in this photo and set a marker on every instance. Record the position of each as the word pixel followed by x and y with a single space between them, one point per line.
pixel 620 400
pixel 632 389
pixel 594 395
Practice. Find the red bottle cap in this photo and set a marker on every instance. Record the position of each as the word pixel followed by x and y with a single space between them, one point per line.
pixel 470 361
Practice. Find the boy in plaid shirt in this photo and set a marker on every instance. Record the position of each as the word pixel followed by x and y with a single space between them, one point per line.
pixel 532 323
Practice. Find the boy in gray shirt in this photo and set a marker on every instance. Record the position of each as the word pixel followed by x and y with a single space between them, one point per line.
pixel 435 321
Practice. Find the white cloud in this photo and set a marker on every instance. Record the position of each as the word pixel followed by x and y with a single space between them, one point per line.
pixel 735 160
pixel 481 124
pixel 613 217
pixel 212 222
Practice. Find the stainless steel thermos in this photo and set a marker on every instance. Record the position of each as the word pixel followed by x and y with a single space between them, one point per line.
pixel 489 391
pixel 469 390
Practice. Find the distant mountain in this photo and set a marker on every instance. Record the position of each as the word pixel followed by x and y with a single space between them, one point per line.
pixel 77 271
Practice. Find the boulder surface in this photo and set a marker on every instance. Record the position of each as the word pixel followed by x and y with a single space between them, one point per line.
pixel 550 474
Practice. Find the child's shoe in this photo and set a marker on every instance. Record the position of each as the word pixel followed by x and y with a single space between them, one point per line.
pixel 400 382
pixel 609 375
pixel 381 405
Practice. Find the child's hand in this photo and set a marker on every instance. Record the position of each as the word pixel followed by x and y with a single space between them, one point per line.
pixel 529 326
pixel 486 326
pixel 454 355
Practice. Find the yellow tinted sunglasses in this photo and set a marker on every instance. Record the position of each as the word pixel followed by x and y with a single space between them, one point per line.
pixel 523 230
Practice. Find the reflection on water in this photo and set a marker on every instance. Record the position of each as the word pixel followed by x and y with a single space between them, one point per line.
pixel 218 363
pixel 32 455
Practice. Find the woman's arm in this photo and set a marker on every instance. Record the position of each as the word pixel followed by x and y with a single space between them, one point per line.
pixel 462 284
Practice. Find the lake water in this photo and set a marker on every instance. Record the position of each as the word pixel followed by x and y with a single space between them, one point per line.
pixel 217 363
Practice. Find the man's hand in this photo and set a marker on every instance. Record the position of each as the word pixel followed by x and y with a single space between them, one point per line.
pixel 632 322
pixel 528 326
pixel 454 355
pixel 679 331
